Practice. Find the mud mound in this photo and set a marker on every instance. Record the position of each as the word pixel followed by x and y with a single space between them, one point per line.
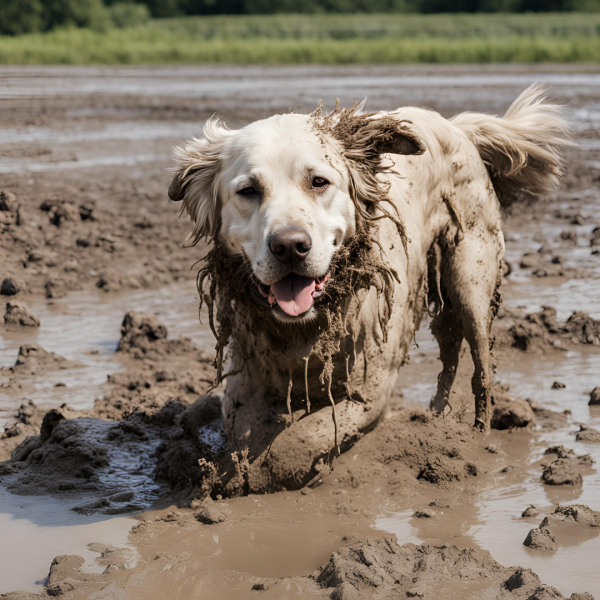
pixel 541 540
pixel 18 313
pixel 33 359
pixel 564 471
pixel 87 459
pixel 588 434
pixel 99 462
pixel 11 286
pixel 9 210
pixel 139 331
pixel 144 336
pixel 158 370
pixel 577 513
pixel 567 453
pixel 407 443
pixel 196 433
pixel 28 423
pixel 509 412
pixel 61 211
pixel 377 568
pixel 541 330
pixel 66 577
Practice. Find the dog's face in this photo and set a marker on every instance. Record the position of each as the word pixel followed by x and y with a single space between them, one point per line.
pixel 276 193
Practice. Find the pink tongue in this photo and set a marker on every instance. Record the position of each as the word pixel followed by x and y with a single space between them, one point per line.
pixel 294 294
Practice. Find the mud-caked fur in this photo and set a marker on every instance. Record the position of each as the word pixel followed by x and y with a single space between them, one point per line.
pixel 427 190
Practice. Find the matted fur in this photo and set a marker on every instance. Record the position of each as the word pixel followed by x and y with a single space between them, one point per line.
pixel 365 140
pixel 226 286
pixel 357 265
pixel 412 195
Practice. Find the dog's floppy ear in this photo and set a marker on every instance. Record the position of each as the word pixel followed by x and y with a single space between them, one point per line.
pixel 195 183
pixel 387 135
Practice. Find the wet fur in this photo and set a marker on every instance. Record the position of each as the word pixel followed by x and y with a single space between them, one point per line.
pixel 433 219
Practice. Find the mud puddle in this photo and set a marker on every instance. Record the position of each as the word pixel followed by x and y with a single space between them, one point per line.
pixel 271 536
pixel 493 520
pixel 283 535
pixel 85 328
pixel 36 529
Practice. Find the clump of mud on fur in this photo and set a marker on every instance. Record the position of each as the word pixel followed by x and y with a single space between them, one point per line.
pixel 355 266
pixel 231 285
pixel 364 141
pixel 226 283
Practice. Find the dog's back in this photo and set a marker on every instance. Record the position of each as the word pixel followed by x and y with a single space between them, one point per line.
pixel 474 164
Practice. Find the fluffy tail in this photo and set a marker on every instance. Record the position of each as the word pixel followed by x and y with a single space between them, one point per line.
pixel 524 150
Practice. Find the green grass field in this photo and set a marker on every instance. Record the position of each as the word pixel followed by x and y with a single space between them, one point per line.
pixel 322 39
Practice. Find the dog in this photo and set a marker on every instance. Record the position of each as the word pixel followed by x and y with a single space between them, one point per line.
pixel 332 235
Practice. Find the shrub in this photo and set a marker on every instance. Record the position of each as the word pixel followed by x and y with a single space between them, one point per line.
pixel 77 13
pixel 27 16
pixel 128 14
pixel 21 16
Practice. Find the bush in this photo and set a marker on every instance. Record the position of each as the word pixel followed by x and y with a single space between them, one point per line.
pixel 77 13
pixel 21 16
pixel 27 16
pixel 128 14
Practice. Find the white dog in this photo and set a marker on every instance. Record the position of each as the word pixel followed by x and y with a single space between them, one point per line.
pixel 331 236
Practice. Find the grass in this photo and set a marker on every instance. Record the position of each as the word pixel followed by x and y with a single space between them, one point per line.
pixel 323 39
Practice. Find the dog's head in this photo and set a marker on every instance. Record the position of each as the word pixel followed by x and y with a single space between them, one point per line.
pixel 283 194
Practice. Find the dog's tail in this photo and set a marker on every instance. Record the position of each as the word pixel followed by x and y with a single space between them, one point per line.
pixel 524 150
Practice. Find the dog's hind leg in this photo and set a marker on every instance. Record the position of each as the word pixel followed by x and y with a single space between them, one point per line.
pixel 448 331
pixel 470 280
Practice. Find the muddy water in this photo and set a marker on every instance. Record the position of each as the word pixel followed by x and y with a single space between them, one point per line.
pixel 283 535
pixel 496 525
pixel 107 135
pixel 86 328
pixel 35 530
pixel 493 522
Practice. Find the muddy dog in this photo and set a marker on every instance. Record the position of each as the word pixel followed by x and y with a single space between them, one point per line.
pixel 332 234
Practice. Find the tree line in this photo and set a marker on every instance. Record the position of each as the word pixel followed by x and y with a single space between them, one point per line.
pixel 25 16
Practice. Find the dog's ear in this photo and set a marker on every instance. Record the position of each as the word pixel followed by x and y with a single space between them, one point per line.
pixel 196 181
pixel 387 135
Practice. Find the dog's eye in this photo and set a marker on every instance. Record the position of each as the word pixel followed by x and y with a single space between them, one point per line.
pixel 247 191
pixel 319 182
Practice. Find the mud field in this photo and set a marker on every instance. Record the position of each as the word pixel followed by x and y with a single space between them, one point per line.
pixel 105 367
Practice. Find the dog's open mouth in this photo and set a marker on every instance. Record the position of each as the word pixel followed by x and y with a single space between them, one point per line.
pixel 294 294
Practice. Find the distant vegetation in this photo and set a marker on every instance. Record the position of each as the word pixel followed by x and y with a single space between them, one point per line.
pixel 327 39
pixel 29 16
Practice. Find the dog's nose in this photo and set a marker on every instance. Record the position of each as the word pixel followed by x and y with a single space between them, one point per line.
pixel 291 244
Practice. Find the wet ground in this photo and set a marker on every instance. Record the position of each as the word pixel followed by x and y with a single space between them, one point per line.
pixel 98 133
